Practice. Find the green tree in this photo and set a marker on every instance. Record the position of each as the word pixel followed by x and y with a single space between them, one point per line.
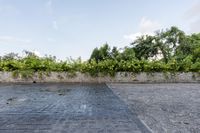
pixel 101 54
pixel 95 55
pixel 127 54
pixel 10 56
pixel 114 53
pixel 169 40
pixel 164 42
pixel 145 47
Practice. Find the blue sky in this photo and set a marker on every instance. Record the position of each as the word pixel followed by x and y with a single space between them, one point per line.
pixel 75 27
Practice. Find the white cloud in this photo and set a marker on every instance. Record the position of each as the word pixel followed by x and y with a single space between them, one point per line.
pixel 134 36
pixel 146 27
pixel 13 40
pixel 37 53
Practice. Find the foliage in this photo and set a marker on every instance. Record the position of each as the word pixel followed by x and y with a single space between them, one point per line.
pixel 102 53
pixel 178 52
pixel 145 47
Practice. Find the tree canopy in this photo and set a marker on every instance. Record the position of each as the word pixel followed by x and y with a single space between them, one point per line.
pixel 166 50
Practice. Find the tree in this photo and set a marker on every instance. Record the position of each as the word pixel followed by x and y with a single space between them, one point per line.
pixel 145 47
pixel 95 55
pixel 104 51
pixel 114 53
pixel 169 40
pixel 164 42
pixel 195 44
pixel 101 54
pixel 10 56
pixel 127 54
pixel 29 53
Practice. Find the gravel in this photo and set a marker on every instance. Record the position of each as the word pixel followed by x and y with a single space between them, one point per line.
pixel 164 108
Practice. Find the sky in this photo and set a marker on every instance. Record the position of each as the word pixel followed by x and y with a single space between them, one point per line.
pixel 65 28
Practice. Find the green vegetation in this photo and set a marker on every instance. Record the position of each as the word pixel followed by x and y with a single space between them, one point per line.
pixel 167 51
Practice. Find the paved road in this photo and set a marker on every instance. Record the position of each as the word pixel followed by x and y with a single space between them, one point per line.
pixel 165 108
pixel 65 108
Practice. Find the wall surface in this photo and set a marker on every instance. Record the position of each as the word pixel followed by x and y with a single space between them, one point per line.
pixel 123 77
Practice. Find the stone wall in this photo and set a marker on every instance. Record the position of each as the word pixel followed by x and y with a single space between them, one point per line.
pixel 123 77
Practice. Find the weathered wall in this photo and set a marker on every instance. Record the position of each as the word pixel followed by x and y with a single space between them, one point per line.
pixel 155 77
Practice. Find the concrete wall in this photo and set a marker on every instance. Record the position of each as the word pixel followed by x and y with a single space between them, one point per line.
pixel 156 77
